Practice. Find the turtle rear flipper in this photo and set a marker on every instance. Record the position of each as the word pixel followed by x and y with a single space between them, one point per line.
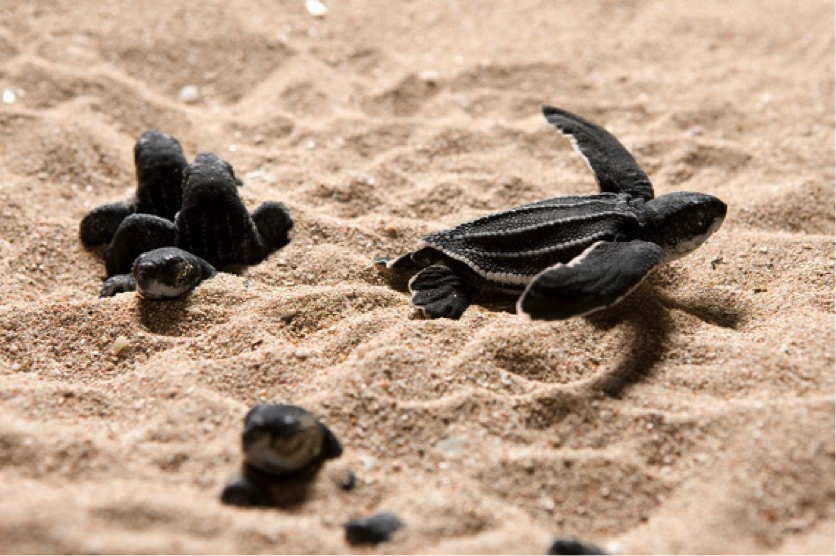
pixel 137 234
pixel 273 223
pixel 599 277
pixel 440 291
pixel 100 224
pixel 615 169
pixel 241 492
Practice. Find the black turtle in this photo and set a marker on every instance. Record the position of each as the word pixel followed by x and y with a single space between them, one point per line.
pixel 200 213
pixel 284 448
pixel 212 223
pixel 566 256
pixel 373 529
pixel 566 547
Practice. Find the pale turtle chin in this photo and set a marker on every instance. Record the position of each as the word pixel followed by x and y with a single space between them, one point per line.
pixel 686 247
pixel 156 290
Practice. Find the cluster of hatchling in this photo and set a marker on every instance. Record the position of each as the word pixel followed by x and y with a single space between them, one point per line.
pixel 560 258
pixel 184 221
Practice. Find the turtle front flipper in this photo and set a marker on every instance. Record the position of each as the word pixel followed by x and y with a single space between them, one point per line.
pixel 273 223
pixel 597 278
pixel 441 291
pixel 100 224
pixel 615 169
pixel 119 283
pixel 137 234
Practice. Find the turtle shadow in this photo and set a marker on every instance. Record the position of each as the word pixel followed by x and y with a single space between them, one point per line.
pixel 725 313
pixel 648 327
pixel 167 318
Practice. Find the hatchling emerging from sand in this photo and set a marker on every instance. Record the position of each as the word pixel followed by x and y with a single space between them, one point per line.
pixel 566 256
pixel 284 447
pixel 185 220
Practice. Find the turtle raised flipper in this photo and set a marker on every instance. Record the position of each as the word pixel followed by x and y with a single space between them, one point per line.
pixel 273 223
pixel 441 291
pixel 160 162
pixel 169 273
pixel 615 169
pixel 100 224
pixel 137 234
pixel 599 277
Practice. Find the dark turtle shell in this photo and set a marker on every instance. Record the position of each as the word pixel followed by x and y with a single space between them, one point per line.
pixel 509 248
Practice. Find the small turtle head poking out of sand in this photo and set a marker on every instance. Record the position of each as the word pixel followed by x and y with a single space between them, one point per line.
pixel 164 273
pixel 283 439
pixel 168 273
pixel 284 449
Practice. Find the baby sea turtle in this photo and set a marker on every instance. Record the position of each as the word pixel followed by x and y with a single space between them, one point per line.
pixel 160 162
pixel 193 207
pixel 212 223
pixel 566 256
pixel 164 273
pixel 373 529
pixel 565 547
pixel 284 449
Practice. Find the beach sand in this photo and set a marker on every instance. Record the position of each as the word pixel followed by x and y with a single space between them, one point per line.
pixel 695 417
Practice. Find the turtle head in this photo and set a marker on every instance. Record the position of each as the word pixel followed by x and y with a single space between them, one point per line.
pixel 282 439
pixel 165 273
pixel 684 220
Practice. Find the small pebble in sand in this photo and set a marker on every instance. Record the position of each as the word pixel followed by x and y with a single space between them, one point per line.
pixel 189 94
pixel 373 529
pixel 119 345
pixel 571 546
pixel 316 8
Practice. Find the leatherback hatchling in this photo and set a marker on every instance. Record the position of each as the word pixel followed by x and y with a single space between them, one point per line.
pixel 192 207
pixel 284 447
pixel 566 256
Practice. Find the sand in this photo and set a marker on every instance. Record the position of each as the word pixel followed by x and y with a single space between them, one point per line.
pixel 695 417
